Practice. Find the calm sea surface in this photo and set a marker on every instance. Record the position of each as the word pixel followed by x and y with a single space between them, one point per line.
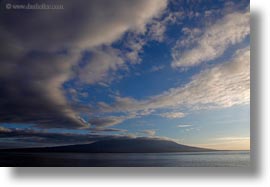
pixel 191 159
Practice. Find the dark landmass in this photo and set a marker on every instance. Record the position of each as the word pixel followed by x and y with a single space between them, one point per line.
pixel 117 146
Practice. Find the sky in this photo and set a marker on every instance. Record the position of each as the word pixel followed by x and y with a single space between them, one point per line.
pixel 176 70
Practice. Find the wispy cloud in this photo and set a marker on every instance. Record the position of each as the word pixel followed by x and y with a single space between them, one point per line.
pixel 37 65
pixel 158 26
pixel 108 121
pixel 157 68
pixel 44 138
pixel 77 74
pixel 221 86
pixel 148 132
pixel 103 62
pixel 105 129
pixel 172 115
pixel 231 29
pixel 183 126
pixel 232 138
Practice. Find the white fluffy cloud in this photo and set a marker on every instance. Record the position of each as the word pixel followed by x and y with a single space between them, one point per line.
pixel 38 55
pixel 157 27
pixel 131 16
pixel 223 85
pixel 231 29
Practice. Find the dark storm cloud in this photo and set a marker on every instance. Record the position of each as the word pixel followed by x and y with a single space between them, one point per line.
pixel 42 137
pixel 30 92
pixel 82 24
pixel 26 137
pixel 39 48
pixel 17 138
pixel 99 130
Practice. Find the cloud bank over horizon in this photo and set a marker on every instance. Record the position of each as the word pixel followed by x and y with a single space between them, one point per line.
pixel 125 68
pixel 47 47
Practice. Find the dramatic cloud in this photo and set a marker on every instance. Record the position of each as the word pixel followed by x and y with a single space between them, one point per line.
pixel 37 55
pixel 33 138
pixel 81 24
pixel 221 86
pixel 31 91
pixel 43 138
pixel 231 29
pixel 98 64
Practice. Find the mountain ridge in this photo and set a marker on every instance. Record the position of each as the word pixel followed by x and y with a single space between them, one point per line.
pixel 119 146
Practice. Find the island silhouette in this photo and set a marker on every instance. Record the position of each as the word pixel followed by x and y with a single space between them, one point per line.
pixel 137 145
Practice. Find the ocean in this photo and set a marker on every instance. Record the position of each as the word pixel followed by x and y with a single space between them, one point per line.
pixel 187 159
